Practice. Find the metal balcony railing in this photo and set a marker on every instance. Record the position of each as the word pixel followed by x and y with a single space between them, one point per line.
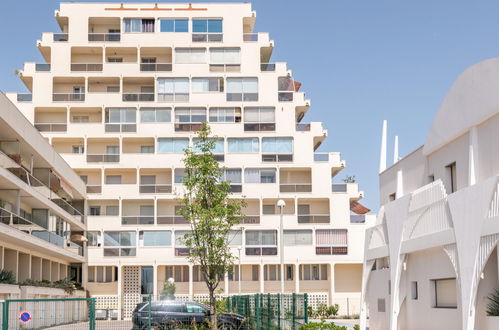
pixel 357 218
pixel 155 67
pixel 261 251
pixel 298 187
pixel 86 67
pixel 61 37
pixel 42 67
pixel 277 158
pixel 69 208
pixel 103 158
pixel 267 67
pixel 313 218
pixel 225 67
pixel 115 36
pixel 331 250
pixel 187 127
pixel 171 220
pixel 120 127
pixel 250 37
pixel 259 127
pixel 94 189
pixel 285 96
pixel 61 97
pixel 321 157
pixel 250 219
pixel 137 220
pixel 339 187
pixel 51 127
pixel 138 97
pixel 155 188
pixel 303 128
pixel 24 97
pixel 173 97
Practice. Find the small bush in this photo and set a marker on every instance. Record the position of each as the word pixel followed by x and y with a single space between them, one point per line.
pixel 493 305
pixel 7 277
pixel 356 327
pixel 322 325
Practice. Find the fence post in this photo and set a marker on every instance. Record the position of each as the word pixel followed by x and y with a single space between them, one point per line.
pixel 279 310
pixel 268 311
pixel 5 315
pixel 149 300
pixel 293 309
pixel 257 311
pixel 305 306
pixel 91 313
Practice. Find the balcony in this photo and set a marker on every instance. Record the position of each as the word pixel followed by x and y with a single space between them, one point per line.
pixel 313 210
pixel 138 89
pixel 61 37
pixel 250 37
pixel 259 127
pixel 137 220
pixel 251 211
pixel 104 150
pixel 86 59
pixel 24 97
pixel 68 89
pixel 187 127
pixel 313 218
pixel 295 180
pixel 339 187
pixel 70 208
pixel 104 29
pixel 267 67
pixel 155 181
pixel 90 67
pixel 103 158
pixel 250 220
pixel 93 179
pixel 42 67
pixel 85 115
pixel 51 127
pixel 68 97
pixel 94 189
pixel 303 128
pixel 156 59
pixel 225 68
pixel 120 127
pixel 286 87
pixel 171 220
pixel 114 36
pixel 50 119
pixel 261 251
pixel 290 187
pixel 137 212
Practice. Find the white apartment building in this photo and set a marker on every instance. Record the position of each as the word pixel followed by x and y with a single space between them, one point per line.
pixel 432 259
pixel 121 95
pixel 41 210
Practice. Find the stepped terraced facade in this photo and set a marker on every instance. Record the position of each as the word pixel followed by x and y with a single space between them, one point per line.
pixel 122 92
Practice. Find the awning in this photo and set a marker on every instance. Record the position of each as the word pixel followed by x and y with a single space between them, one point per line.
pixel 297 85
pixel 358 208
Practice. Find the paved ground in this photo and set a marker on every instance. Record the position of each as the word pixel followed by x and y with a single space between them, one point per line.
pixel 99 325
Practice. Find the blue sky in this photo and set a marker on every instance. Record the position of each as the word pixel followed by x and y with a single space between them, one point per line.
pixel 359 61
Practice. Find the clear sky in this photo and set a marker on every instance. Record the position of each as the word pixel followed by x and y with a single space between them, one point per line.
pixel 359 61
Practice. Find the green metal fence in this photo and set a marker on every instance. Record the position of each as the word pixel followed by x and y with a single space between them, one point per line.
pixel 271 311
pixel 47 313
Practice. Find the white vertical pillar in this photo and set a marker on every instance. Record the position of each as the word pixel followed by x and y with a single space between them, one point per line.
pixel 473 165
pixel 382 155
pixel 191 283
pixel 226 284
pixel 297 278
pixel 400 184
pixel 155 280
pixel 120 291
pixel 332 288
pixel 396 150
pixel 261 278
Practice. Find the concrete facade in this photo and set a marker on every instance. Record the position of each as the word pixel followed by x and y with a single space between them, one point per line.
pixel 431 260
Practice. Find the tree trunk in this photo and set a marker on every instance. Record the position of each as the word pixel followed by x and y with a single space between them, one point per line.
pixel 213 309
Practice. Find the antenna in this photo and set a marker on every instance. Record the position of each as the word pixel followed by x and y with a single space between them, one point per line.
pixel 396 150
pixel 382 155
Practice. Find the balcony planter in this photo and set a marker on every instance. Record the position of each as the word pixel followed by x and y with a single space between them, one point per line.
pixel 9 291
pixel 491 322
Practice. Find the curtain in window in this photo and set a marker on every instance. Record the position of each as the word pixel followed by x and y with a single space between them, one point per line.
pixel 277 145
pixel 200 85
pixel 331 237
pixel 267 115
pixel 147 115
pixel 243 145
pixel 133 24
pixel 219 146
pixel 234 85
pixel 233 175
pixel 157 238
pixel 252 175
pixel 250 85
pixel 190 55
pixel 225 56
pixel 269 237
pixel 165 85
pixel 172 145
pixel 147 25
pixel 252 237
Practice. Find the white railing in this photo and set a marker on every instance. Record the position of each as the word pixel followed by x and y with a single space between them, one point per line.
pixel 494 204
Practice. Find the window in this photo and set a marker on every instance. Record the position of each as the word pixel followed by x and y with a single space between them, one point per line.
pixel 279 149
pixel 234 177
pixel 286 87
pixel 392 197
pixel 113 89
pixel 314 272
pixel 138 25
pixel 261 242
pixel 78 149
pixel 243 144
pixel 205 85
pixel 118 243
pixel 113 179
pixel 180 249
pixel 190 55
pixel 219 146
pixel 84 178
pixel 112 210
pixel 94 210
pixel 254 272
pixel 93 238
pixel 381 305
pixel 431 178
pixel 451 175
pixel 225 59
pixel 414 290
pixel 445 293
pixel 173 89
pixel 112 150
pixel 179 175
pixel 271 273
pixel 242 89
pixel 120 120
pixel 146 279
pixel 235 238
pixel 192 308
pixel 174 25
pixel 268 209
pixel 297 237
pixel 259 119
pixel 225 115
pixel 155 238
pixel 207 30
pixel 80 119
pixel 189 119
pixel 172 145
pixel 260 175
pixel 146 149
pixel 155 115
pixel 331 241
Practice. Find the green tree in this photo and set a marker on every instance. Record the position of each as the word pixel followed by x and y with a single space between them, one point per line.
pixel 211 213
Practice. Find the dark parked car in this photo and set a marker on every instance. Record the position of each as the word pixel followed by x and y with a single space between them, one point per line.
pixel 169 314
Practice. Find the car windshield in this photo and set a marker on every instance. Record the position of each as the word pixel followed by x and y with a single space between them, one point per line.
pixel 193 308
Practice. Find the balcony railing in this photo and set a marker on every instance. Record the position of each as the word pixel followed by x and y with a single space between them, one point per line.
pixel 285 96
pixel 277 158
pixel 51 127
pixel 42 67
pixel 154 67
pixel 94 189
pixel 331 250
pixel 291 187
pixel 339 187
pixel 103 158
pixel 24 97
pixel 171 220
pixel 61 37
pixel 357 218
pixel 182 252
pixel 155 188
pixel 170 97
pixel 225 67
pixel 236 188
pixel 321 157
pixel 120 127
pixel 68 208
pixel 261 251
pixel 129 251
pixel 313 218
pixel 138 97
pixel 86 67
pixel 303 127
pixel 61 97
pixel 187 127
pixel 116 36
pixel 50 237
pixel 259 127
pixel 250 37
pixel 137 220
pixel 267 67
pixel 207 37
pixel 250 219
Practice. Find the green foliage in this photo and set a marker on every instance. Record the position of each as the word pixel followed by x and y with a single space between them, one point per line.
pixel 66 284
pixel 323 311
pixel 322 325
pixel 7 277
pixel 211 213
pixel 356 327
pixel 493 305
pixel 349 179
pixel 169 290
pixel 221 305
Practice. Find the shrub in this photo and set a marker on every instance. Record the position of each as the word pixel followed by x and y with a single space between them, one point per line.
pixel 333 310
pixel 356 327
pixel 493 305
pixel 66 284
pixel 7 277
pixel 169 290
pixel 322 325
